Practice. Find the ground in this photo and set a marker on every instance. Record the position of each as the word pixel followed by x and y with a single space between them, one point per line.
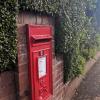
pixel 89 89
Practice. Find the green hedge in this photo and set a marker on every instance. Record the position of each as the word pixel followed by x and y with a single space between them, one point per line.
pixel 7 34
pixel 76 38
pixel 41 6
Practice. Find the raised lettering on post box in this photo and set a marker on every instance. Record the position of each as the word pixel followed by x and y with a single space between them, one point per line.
pixel 40 61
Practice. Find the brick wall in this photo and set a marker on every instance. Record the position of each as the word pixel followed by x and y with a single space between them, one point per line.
pixel 7 86
pixel 58 85
pixel 23 87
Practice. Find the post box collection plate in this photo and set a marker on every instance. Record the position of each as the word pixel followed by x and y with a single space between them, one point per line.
pixel 42 66
pixel 40 61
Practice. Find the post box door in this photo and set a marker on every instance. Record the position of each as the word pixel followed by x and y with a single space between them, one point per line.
pixel 40 63
pixel 41 66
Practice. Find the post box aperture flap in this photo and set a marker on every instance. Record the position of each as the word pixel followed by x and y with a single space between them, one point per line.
pixel 40 61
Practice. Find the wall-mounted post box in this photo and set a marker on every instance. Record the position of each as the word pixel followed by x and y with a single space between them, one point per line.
pixel 40 61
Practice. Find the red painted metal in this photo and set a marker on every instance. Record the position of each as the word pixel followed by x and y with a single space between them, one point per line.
pixel 40 50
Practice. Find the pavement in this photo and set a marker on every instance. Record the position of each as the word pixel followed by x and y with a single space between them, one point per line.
pixel 89 88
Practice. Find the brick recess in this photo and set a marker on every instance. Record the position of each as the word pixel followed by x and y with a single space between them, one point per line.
pixel 7 86
pixel 23 82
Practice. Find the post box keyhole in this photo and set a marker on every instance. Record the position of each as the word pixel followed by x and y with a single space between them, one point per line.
pixel 41 53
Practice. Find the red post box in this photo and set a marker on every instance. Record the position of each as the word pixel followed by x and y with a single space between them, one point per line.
pixel 40 61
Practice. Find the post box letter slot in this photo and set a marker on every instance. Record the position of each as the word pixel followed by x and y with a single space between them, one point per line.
pixel 39 38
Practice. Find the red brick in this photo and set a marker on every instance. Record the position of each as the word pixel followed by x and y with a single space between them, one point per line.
pixel 58 94
pixel 24 98
pixel 9 97
pixel 29 18
pixel 23 84
pixel 22 39
pixel 23 68
pixel 22 59
pixel 7 85
pixel 58 86
pixel 51 21
pixel 6 78
pixel 22 49
pixel 45 20
pixel 38 20
pixel 26 17
pixel 21 28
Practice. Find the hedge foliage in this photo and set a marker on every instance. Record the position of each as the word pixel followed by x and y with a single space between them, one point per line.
pixel 7 34
pixel 75 35
pixel 41 6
